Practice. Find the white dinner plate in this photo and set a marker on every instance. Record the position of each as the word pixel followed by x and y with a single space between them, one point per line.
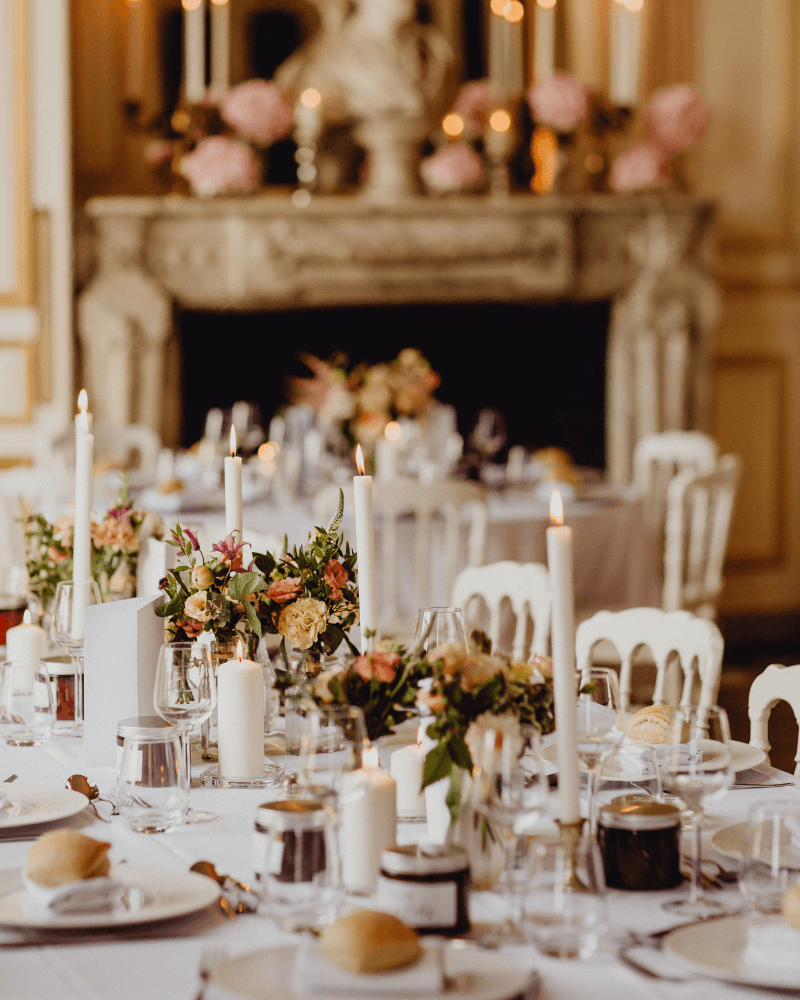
pixel 744 757
pixel 268 975
pixel 30 804
pixel 730 841
pixel 167 894
pixel 717 948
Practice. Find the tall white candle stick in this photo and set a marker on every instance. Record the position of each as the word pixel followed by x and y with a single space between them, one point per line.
pixel 365 546
pixel 194 50
pixel 369 822
pixel 233 490
pixel 544 51
pixel 559 563
pixel 407 765
pixel 82 538
pixel 626 30
pixel 83 407
pixel 513 14
pixel 240 714
pixel 220 47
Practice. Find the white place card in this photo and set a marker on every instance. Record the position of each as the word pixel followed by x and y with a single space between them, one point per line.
pixel 121 645
pixel 155 558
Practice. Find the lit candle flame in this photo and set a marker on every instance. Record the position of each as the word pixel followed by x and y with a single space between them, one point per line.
pixel 83 400
pixel 513 11
pixel 310 98
pixel 233 440
pixel 556 508
pixel 360 460
pixel 26 618
pixel 500 121
pixel 547 4
pixel 83 420
pixel 239 650
pixel 419 735
pixel 369 757
pixel 393 431
pixel 190 4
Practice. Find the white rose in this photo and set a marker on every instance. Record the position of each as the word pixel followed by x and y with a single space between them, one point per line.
pixel 302 622
pixel 202 577
pixel 506 724
pixel 197 608
pixel 320 689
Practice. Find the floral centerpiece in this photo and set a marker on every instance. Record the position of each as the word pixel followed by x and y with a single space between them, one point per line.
pixel 115 549
pixel 472 691
pixel 361 401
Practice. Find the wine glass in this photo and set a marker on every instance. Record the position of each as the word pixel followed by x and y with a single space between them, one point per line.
pixel 489 435
pixel 696 765
pixel 184 696
pixel 599 727
pixel 437 626
pixel 510 793
pixel 68 631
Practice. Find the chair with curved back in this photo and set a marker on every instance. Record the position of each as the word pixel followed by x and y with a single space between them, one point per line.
pixel 697 642
pixel 526 586
pixel 776 683
pixel 657 458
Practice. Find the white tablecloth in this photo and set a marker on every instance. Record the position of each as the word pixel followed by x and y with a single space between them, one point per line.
pixel 165 967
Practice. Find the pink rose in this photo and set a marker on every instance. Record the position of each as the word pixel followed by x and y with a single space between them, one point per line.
pixel 560 102
pixel 220 165
pixel 284 590
pixel 475 102
pixel 643 165
pixel 158 151
pixel 377 666
pixel 453 168
pixel 676 117
pixel 335 576
pixel 258 111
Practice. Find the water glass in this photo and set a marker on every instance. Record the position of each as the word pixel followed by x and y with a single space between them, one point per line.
pixel 564 907
pixel 68 627
pixel 152 784
pixel 437 626
pixel 770 855
pixel 27 708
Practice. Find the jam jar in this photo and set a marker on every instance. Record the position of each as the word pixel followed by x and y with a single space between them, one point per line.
pixel 639 839
pixel 426 886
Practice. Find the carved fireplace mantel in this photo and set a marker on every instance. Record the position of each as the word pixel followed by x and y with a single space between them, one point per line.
pixel 652 255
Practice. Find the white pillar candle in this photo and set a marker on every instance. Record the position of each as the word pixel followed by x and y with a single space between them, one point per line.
pixel 194 50
pixel 369 822
pixel 544 27
pixel 407 765
pixel 233 490
pixel 626 29
pixel 82 539
pixel 559 563
pixel 240 715
pixel 26 641
pixel 365 546
pixel 220 47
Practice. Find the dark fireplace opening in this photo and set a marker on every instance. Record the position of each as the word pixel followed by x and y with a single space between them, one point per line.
pixel 542 365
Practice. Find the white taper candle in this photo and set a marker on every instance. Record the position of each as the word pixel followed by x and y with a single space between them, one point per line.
pixel 220 47
pixel 233 490
pixel 194 50
pixel 544 51
pixel 365 547
pixel 559 563
pixel 82 538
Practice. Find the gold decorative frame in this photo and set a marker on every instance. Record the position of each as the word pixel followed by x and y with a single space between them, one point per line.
pixel 21 293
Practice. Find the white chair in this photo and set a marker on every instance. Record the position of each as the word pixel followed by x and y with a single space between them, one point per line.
pixel 123 446
pixel 453 503
pixel 697 642
pixel 657 458
pixel 698 520
pixel 776 683
pixel 526 586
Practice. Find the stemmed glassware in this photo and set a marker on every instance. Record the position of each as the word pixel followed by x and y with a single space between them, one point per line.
pixel 490 434
pixel 184 696
pixel 68 632
pixel 599 728
pixel 696 765
pixel 511 794
pixel 436 626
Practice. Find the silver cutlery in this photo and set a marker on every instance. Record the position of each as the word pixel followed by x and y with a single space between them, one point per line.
pixel 80 783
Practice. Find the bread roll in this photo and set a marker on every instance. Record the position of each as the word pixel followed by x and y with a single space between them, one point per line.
pixel 370 941
pixel 62 856
pixel 658 724
pixel 790 905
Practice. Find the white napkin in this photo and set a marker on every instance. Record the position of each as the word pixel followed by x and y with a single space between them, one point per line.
pixel 3 797
pixel 314 975
pixel 91 895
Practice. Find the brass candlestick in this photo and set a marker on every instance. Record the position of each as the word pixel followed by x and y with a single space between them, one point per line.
pixel 570 835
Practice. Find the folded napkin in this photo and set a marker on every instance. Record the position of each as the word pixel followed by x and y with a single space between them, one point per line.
pixel 314 975
pixel 639 758
pixel 91 895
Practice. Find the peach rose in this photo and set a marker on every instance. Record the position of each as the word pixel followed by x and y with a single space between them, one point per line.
pixel 284 590
pixel 202 577
pixel 55 556
pixel 335 576
pixel 63 528
pixel 302 622
pixel 196 607
pixel 377 666
pixel 543 664
pixel 433 702
pixel 478 669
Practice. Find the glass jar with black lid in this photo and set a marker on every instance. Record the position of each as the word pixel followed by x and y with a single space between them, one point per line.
pixel 639 839
pixel 427 886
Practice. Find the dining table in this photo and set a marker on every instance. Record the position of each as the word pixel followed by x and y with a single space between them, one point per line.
pixel 162 960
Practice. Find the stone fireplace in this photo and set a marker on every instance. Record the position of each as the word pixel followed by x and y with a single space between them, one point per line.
pixel 648 258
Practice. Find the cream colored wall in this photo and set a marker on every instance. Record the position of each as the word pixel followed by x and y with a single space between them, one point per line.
pixel 747 66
